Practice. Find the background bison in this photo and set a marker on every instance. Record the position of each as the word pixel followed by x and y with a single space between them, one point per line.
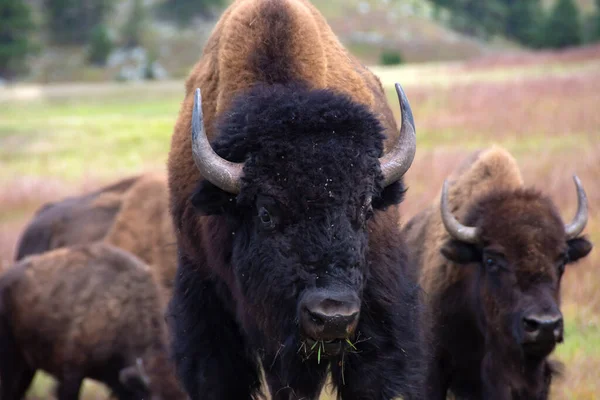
pixel 289 249
pixel 74 220
pixel 492 281
pixel 132 214
pixel 90 311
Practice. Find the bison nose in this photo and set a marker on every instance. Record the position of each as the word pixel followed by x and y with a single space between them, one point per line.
pixel 329 316
pixel 543 328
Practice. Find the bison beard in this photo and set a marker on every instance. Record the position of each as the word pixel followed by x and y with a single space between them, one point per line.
pixel 301 226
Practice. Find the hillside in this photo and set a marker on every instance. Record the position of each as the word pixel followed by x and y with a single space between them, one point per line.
pixel 367 27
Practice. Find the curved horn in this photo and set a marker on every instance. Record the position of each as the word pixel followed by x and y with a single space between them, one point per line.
pixel 218 171
pixel 397 161
pixel 456 229
pixel 575 227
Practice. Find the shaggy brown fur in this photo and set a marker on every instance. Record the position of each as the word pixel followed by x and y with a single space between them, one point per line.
pixel 132 214
pixel 479 294
pixel 84 311
pixel 144 227
pixel 74 220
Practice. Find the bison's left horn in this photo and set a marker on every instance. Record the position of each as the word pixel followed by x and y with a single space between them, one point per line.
pixel 580 220
pixel 220 172
pixel 457 230
pixel 397 161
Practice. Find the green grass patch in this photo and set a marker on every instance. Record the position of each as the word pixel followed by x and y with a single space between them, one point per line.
pixel 43 386
pixel 582 338
pixel 71 139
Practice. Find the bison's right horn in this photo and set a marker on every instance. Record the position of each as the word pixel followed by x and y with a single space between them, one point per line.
pixel 456 229
pixel 397 161
pixel 218 171
pixel 576 226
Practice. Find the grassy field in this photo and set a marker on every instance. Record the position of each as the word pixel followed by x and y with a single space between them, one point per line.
pixel 64 140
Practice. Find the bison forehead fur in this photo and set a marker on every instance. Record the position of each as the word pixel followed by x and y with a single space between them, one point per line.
pixel 306 148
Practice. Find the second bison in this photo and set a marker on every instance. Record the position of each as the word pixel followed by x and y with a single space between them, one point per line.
pixel 493 280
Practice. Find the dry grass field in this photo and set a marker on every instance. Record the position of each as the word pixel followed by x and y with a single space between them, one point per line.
pixel 544 108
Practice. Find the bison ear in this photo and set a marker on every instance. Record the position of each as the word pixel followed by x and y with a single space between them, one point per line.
pixel 390 195
pixel 578 248
pixel 211 200
pixel 460 252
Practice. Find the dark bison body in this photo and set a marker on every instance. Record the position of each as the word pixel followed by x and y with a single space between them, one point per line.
pixel 493 280
pixel 290 255
pixel 74 220
pixel 132 214
pixel 87 311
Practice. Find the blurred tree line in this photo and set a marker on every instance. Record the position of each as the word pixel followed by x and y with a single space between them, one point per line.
pixel 83 23
pixel 525 21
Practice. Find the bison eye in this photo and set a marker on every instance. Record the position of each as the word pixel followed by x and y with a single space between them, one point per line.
pixel 491 262
pixel 366 212
pixel 561 264
pixel 265 217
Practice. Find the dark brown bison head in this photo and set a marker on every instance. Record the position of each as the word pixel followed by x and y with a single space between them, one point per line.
pixel 298 173
pixel 520 246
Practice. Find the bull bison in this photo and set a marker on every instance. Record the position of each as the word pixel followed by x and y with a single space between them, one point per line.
pixel 132 214
pixel 493 280
pixel 90 311
pixel 285 204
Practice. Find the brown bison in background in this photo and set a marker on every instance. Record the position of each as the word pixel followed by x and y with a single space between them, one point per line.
pixel 73 220
pixel 132 214
pixel 285 173
pixel 88 311
pixel 492 281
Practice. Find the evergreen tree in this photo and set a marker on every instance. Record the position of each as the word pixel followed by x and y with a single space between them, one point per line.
pixel 596 23
pixel 72 21
pixel 16 26
pixel 523 21
pixel 475 17
pixel 185 10
pixel 100 45
pixel 133 30
pixel 562 27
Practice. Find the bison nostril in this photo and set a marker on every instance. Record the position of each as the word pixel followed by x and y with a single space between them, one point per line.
pixel 543 325
pixel 318 319
pixel 530 325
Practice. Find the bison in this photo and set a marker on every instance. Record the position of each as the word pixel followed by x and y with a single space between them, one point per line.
pixel 132 214
pixel 492 280
pixel 285 174
pixel 74 220
pixel 86 311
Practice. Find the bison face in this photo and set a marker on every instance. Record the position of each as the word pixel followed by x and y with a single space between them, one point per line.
pixel 312 178
pixel 521 250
